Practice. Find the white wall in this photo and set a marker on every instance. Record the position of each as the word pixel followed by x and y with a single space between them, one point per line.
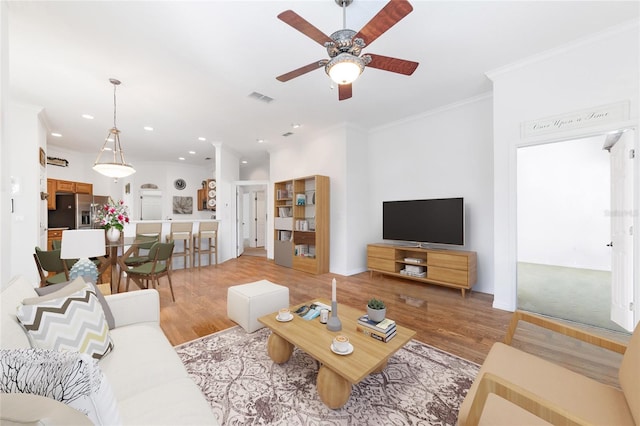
pixel 5 196
pixel 325 155
pixel 592 72
pixel 26 135
pixel 442 153
pixel 563 199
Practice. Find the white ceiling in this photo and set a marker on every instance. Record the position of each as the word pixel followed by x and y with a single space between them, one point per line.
pixel 187 68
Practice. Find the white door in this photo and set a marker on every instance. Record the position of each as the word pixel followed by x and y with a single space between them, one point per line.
pixel 622 173
pixel 239 216
pixel 261 218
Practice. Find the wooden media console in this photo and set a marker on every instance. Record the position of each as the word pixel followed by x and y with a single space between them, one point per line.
pixel 450 268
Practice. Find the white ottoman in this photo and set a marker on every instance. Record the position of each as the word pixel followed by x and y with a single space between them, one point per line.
pixel 248 302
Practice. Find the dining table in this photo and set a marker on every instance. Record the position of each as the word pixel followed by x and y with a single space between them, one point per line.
pixel 119 251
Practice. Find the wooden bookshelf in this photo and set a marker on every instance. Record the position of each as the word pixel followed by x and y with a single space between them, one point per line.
pixel 301 224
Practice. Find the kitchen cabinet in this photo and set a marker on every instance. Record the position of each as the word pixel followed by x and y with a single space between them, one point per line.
pixel 84 188
pixel 51 191
pixel 53 235
pixel 65 186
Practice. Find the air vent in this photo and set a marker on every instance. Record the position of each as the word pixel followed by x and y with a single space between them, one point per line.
pixel 287 134
pixel 260 97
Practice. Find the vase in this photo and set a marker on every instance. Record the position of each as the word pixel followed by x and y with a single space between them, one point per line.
pixel 376 315
pixel 113 234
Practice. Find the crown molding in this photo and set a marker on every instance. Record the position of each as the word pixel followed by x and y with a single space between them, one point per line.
pixel 560 50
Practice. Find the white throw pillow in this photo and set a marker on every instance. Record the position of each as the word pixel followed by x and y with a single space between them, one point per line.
pixel 72 378
pixel 69 319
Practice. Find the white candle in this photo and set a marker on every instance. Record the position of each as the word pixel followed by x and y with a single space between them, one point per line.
pixel 333 290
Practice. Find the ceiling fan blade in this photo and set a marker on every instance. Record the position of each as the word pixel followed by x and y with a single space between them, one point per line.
pixel 302 70
pixel 386 63
pixel 344 91
pixel 388 16
pixel 302 25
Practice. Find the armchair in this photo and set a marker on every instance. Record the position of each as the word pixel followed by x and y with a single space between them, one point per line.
pixel 514 387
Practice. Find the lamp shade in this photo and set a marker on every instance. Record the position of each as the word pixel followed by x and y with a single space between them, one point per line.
pixel 82 244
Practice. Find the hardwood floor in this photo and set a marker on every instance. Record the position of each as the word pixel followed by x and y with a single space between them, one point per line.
pixel 466 327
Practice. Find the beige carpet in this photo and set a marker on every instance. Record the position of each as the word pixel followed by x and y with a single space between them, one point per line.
pixel 573 294
pixel 421 385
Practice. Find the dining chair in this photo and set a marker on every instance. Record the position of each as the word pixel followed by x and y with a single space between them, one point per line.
pixel 159 266
pixel 207 232
pixel 49 262
pixel 183 231
pixel 149 231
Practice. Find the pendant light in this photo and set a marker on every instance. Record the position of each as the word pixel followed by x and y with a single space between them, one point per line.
pixel 118 167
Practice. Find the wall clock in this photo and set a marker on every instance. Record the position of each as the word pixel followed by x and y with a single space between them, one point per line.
pixel 180 184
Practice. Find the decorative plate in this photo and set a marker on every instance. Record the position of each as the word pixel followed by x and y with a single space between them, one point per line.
pixel 180 184
pixel 212 184
pixel 212 193
pixel 212 202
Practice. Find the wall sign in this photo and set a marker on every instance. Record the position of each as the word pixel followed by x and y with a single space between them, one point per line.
pixel 575 120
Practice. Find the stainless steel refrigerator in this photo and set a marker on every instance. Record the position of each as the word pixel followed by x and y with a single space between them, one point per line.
pixel 76 211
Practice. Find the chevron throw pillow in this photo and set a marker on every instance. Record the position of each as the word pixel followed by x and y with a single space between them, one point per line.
pixel 72 322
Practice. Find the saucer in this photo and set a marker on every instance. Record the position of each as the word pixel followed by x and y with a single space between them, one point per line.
pixel 335 351
pixel 286 319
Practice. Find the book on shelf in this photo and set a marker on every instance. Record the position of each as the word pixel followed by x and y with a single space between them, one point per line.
pixel 386 326
pixel 376 335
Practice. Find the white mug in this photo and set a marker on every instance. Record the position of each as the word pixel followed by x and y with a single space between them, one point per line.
pixel 284 313
pixel 341 343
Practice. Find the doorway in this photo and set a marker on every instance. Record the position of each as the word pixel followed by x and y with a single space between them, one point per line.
pixel 251 219
pixel 564 267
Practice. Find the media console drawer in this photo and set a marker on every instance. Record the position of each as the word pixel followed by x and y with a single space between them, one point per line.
pixel 445 260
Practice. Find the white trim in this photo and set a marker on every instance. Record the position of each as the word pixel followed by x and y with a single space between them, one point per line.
pixel 560 50
pixel 435 111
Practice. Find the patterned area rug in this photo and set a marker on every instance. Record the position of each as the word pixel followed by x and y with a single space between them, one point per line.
pixel 420 386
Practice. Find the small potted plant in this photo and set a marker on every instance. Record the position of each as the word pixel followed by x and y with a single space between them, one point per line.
pixel 376 310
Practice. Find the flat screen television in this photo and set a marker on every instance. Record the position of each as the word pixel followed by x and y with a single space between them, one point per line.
pixel 436 221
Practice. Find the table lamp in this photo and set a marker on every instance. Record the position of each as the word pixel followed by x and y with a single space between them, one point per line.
pixel 82 244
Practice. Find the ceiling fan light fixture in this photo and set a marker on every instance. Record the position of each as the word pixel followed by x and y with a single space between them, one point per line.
pixel 118 167
pixel 345 68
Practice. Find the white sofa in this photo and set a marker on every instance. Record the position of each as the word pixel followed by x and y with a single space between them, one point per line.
pixel 150 383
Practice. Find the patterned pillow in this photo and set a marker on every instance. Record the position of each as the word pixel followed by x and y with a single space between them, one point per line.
pixel 68 377
pixel 43 291
pixel 72 322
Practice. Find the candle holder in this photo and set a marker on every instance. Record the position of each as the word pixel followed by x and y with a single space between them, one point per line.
pixel 334 323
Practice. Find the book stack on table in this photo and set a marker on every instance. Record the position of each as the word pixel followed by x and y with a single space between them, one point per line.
pixel 384 330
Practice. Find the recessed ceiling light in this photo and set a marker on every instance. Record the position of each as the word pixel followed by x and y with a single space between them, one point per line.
pixel 57 135
pixel 87 116
pixel 244 161
pixel 148 128
pixel 295 125
pixel 181 158
pixel 202 139
pixel 260 140
pixel 192 152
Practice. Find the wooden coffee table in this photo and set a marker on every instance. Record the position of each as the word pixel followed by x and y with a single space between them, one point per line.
pixel 337 372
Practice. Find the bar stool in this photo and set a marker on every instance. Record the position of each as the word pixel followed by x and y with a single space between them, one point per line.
pixel 182 231
pixel 207 231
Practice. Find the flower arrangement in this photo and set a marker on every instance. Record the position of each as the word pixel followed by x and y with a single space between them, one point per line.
pixel 113 215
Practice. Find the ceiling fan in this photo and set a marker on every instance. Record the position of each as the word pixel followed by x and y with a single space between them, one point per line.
pixel 344 46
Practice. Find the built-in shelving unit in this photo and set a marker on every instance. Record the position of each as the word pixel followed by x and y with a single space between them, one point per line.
pixel 301 224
